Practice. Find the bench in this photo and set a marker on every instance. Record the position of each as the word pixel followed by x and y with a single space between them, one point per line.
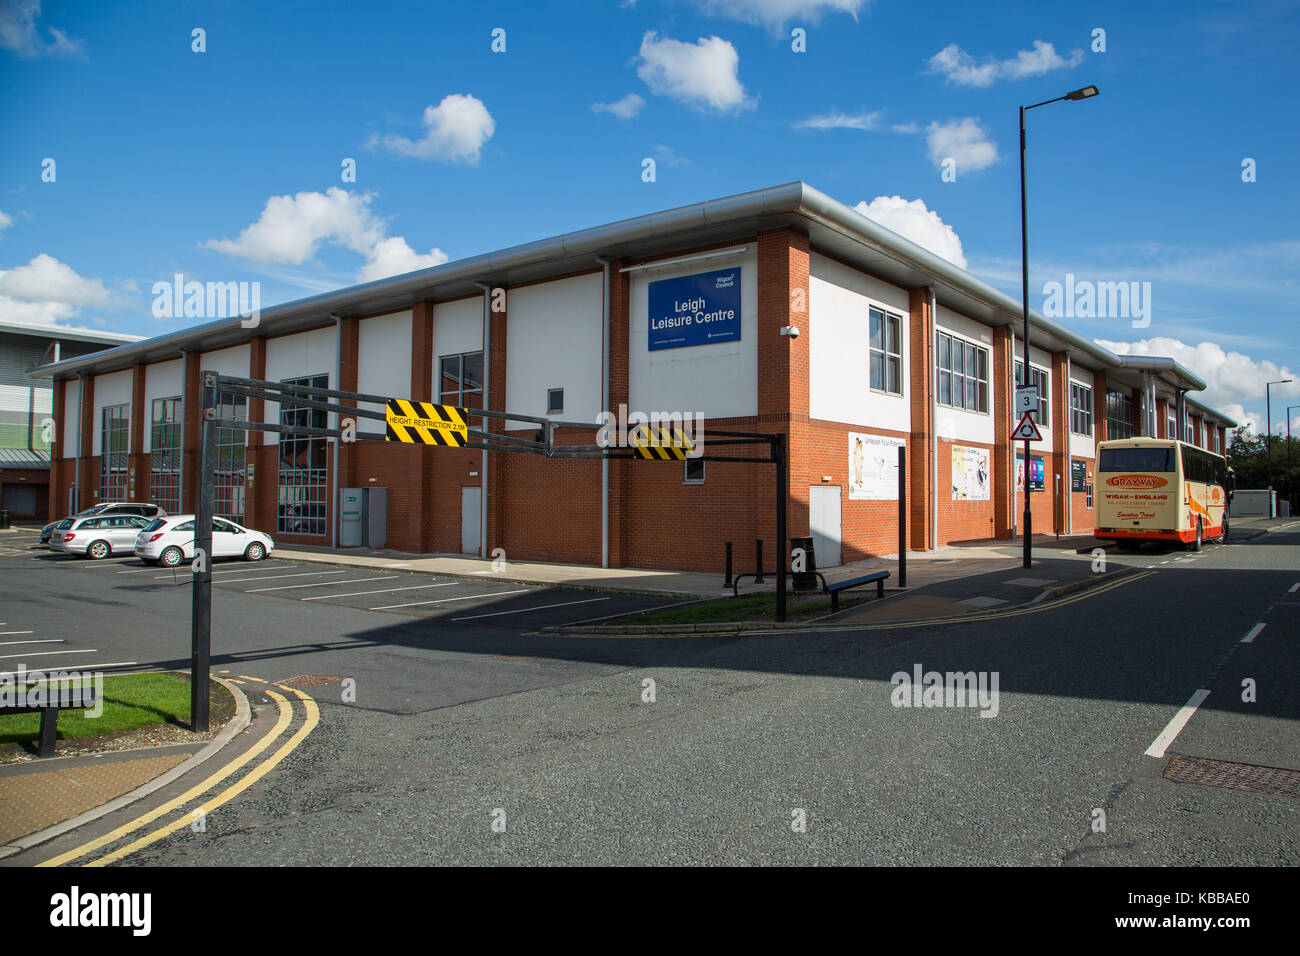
pixel 54 700
pixel 878 579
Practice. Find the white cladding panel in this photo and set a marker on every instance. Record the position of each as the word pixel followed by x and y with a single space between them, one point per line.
pixel 237 361
pixel 161 380
pixel 457 327
pixel 1083 446
pixel 111 389
pixel 297 356
pixel 555 342
pixel 71 403
pixel 958 424
pixel 383 362
pixel 718 381
pixel 839 387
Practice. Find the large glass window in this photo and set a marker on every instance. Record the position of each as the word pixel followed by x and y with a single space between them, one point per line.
pixel 231 465
pixel 1039 377
pixel 114 447
pixel 1119 415
pixel 302 483
pixel 165 454
pixel 962 373
pixel 1160 459
pixel 462 380
pixel 886 351
pixel 1080 409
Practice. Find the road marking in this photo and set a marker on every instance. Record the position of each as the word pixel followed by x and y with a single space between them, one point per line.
pixel 254 775
pixel 84 667
pixel 269 577
pixel 417 587
pixel 1254 632
pixel 48 640
pixel 470 597
pixel 9 633
pixel 525 610
pixel 88 650
pixel 318 584
pixel 1175 726
pixel 281 724
pixel 1293 588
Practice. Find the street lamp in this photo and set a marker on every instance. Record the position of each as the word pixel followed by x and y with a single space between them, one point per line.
pixel 1290 480
pixel 1079 94
pixel 1268 424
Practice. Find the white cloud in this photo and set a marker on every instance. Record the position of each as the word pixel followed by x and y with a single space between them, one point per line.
pixel 5 221
pixel 624 109
pixel 963 140
pixel 47 292
pixel 1231 378
pixel 912 220
pixel 668 156
pixel 701 74
pixel 776 13
pixel 20 34
pixel 838 120
pixel 291 229
pixel 393 256
pixel 959 67
pixel 455 131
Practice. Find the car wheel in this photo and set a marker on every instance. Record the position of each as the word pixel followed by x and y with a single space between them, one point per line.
pixel 254 552
pixel 171 557
pixel 98 550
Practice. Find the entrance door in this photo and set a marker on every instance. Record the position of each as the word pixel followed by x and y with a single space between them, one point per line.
pixel 824 523
pixel 470 504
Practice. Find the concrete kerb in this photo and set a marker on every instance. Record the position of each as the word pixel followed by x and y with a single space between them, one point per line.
pixel 237 725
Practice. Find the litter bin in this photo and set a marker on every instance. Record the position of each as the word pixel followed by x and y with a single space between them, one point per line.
pixel 4 520
pixel 805 580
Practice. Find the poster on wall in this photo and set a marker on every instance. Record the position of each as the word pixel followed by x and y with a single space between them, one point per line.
pixel 873 467
pixel 970 473
pixel 701 309
pixel 1035 474
pixel 1078 475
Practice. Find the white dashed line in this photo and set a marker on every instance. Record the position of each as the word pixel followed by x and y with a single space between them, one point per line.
pixel 1293 588
pixel 1254 632
pixel 53 640
pixel 1175 726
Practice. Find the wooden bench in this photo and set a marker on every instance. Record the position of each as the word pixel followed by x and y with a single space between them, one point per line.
pixel 53 700
pixel 878 579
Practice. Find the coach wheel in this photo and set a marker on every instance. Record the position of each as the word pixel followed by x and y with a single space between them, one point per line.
pixel 1196 545
pixel 171 557
pixel 1223 538
pixel 99 549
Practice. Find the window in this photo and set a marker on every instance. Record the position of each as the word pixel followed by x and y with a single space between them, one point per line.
pixel 886 351
pixel 1160 459
pixel 962 370
pixel 462 380
pixel 694 471
pixel 1202 466
pixel 1171 428
pixel 1119 415
pixel 1040 378
pixel 555 401
pixel 165 454
pixel 114 447
pixel 1080 409
pixel 302 477
pixel 1087 495
pixel 229 481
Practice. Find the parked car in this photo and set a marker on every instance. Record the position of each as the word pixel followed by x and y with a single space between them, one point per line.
pixel 99 535
pixel 169 541
pixel 140 508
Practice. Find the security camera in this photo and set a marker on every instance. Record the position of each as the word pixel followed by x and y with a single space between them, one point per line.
pixel 790 330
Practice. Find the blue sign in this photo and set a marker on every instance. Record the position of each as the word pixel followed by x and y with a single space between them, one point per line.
pixel 702 309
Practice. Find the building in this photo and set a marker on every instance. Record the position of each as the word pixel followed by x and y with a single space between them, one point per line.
pixel 895 346
pixel 26 409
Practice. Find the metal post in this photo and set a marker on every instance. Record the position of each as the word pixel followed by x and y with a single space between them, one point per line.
pixel 778 452
pixel 201 612
pixel 727 582
pixel 1028 530
pixel 758 548
pixel 902 516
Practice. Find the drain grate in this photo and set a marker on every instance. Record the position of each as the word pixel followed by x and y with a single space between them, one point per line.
pixel 312 680
pixel 1234 776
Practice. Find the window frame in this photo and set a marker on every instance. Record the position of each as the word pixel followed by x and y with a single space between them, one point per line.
pixel 1043 379
pixel 972 378
pixel 686 471
pixel 460 391
pixel 1081 408
pixel 887 318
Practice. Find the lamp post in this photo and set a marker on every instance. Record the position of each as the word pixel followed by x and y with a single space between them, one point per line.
pixel 1080 94
pixel 1268 426
pixel 1290 481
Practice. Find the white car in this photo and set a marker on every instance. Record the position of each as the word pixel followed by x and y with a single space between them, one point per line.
pixel 169 541
pixel 97 536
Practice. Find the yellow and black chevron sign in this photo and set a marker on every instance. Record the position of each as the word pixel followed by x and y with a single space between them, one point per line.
pixel 425 423
pixel 661 445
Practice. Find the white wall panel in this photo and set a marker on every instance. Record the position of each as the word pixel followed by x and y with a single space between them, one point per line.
pixel 111 389
pixel 554 341
pixel 383 361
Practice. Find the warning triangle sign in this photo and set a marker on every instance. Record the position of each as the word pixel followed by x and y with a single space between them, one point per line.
pixel 1026 430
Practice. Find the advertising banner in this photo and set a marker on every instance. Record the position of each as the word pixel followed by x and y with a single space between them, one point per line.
pixel 970 473
pixel 701 309
pixel 873 467
pixel 1078 475
pixel 1036 482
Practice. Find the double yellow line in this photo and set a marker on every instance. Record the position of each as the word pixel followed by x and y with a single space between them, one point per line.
pixel 282 723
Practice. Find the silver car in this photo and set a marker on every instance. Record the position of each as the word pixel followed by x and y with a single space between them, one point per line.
pixel 98 536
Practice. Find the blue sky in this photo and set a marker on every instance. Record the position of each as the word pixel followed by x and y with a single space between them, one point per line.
pixel 169 160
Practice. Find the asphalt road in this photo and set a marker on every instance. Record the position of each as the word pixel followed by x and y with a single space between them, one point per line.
pixel 460 723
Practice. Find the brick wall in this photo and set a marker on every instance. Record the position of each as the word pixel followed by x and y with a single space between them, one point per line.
pixel 964 520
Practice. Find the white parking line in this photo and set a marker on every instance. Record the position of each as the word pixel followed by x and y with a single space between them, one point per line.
pixel 51 640
pixel 1254 632
pixel 268 577
pixel 417 587
pixel 1175 726
pixel 1293 588
pixel 318 584
pixel 525 610
pixel 468 597
pixel 11 633
pixel 83 667
pixel 88 650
